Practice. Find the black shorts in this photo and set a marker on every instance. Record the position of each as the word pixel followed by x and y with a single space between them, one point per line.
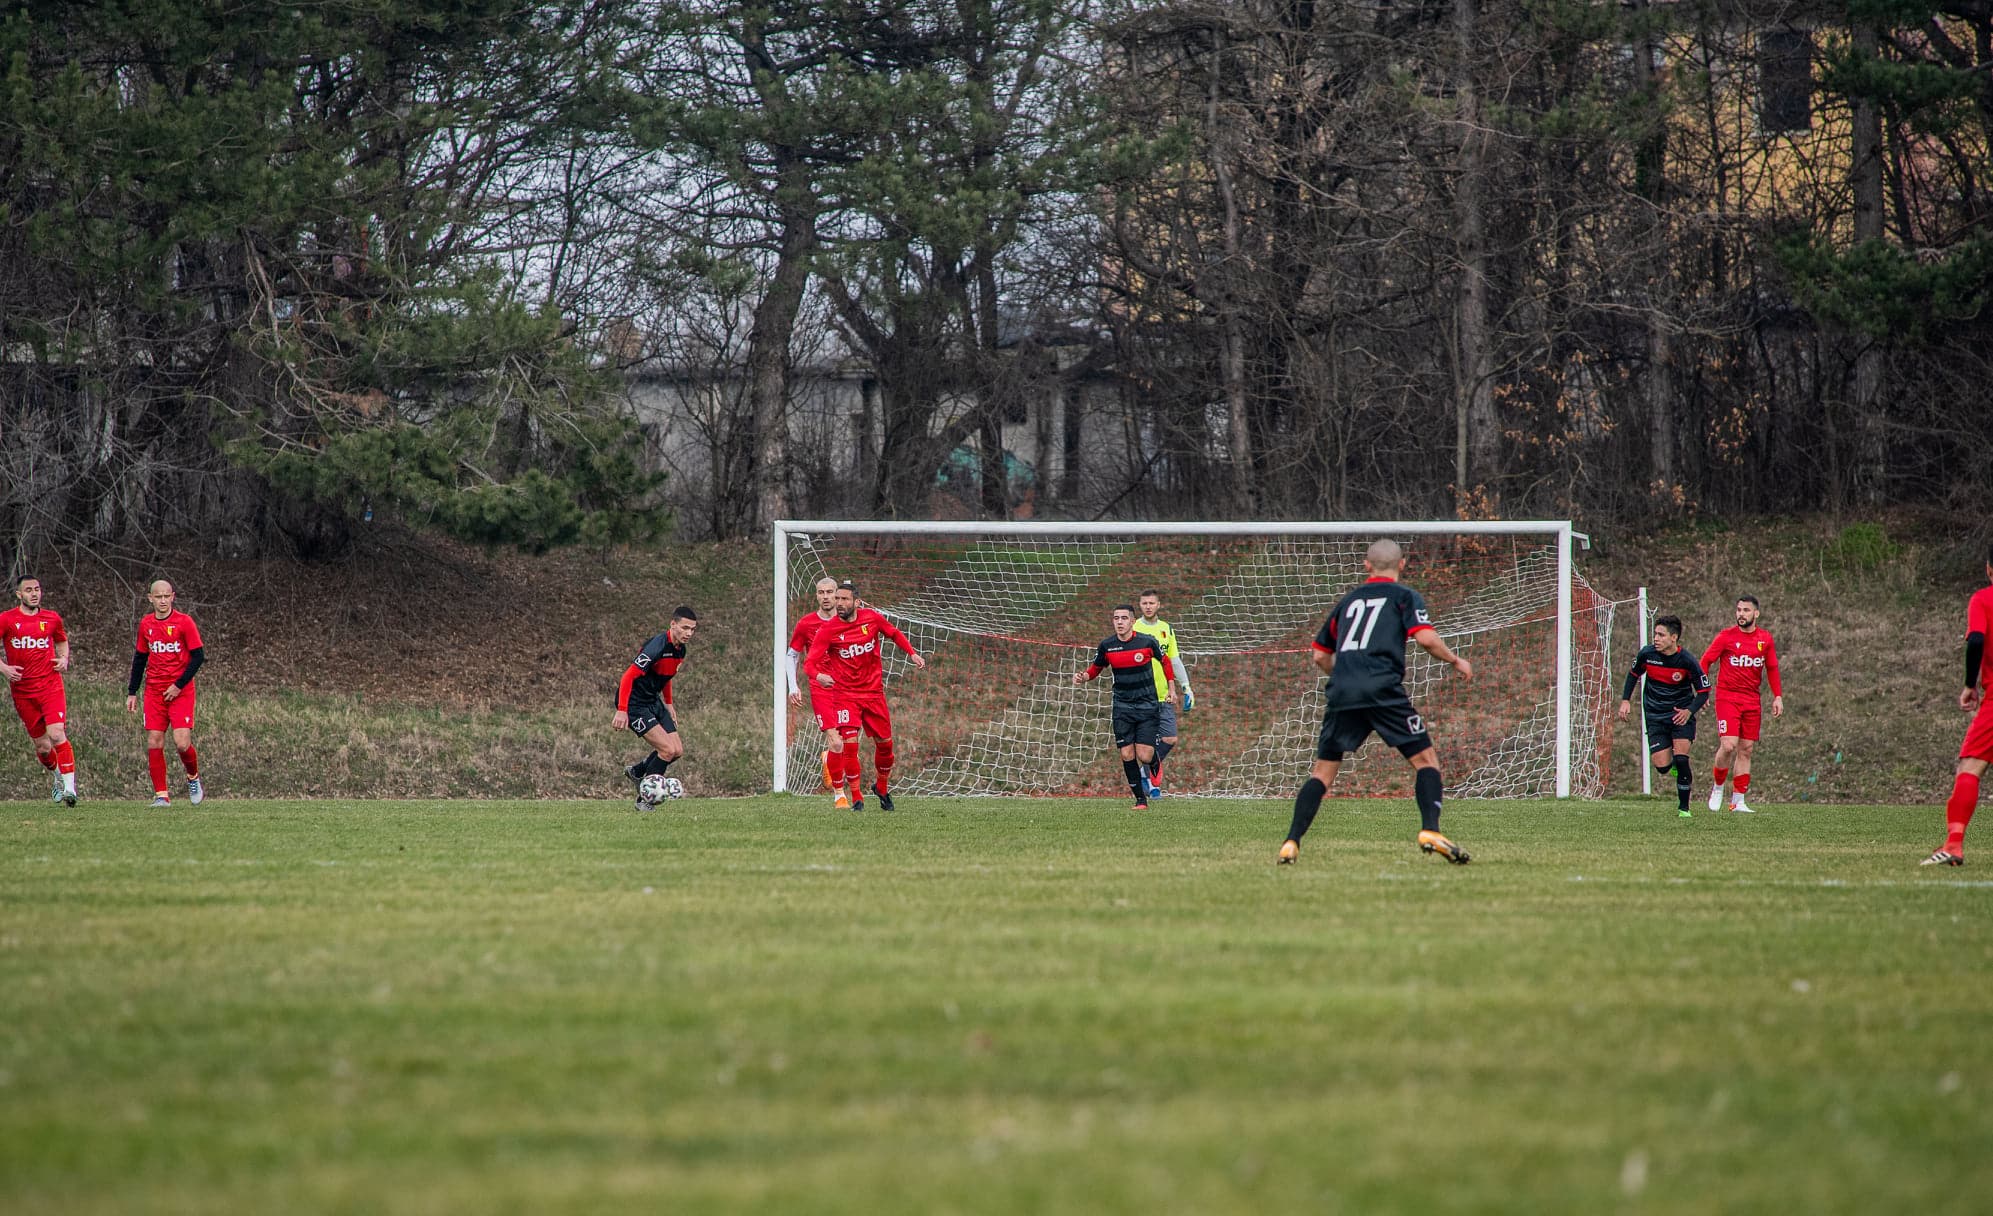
pixel 657 713
pixel 1661 730
pixel 1136 724
pixel 1396 722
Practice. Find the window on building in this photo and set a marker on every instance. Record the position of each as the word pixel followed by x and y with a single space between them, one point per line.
pixel 1785 81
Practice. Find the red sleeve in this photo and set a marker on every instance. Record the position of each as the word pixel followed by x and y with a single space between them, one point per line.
pixel 139 641
pixel 798 640
pixel 667 692
pixel 1771 665
pixel 61 634
pixel 1979 614
pixel 893 631
pixel 813 659
pixel 1169 669
pixel 623 690
pixel 1708 656
pixel 193 634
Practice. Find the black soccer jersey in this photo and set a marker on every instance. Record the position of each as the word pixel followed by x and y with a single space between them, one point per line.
pixel 1366 632
pixel 1674 681
pixel 649 677
pixel 1134 678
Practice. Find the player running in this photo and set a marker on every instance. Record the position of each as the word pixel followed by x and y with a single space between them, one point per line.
pixel 36 649
pixel 1138 701
pixel 1676 690
pixel 1151 603
pixel 1361 648
pixel 1977 749
pixel 168 654
pixel 799 645
pixel 1737 660
pixel 847 669
pixel 643 700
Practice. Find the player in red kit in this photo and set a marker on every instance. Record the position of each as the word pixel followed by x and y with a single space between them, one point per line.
pixel 36 649
pixel 1977 750
pixel 1738 660
pixel 168 654
pixel 799 645
pixel 846 665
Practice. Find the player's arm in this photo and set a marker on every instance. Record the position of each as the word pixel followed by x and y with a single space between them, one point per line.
pixel 1632 682
pixel 195 657
pixel 1429 641
pixel 900 639
pixel 62 655
pixel 1702 688
pixel 138 660
pixel 1182 677
pixel 1977 624
pixel 795 690
pixel 1324 653
pixel 813 661
pixel 1771 677
pixel 1098 665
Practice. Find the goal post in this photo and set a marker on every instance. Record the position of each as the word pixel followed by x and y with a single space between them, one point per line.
pixel 1006 612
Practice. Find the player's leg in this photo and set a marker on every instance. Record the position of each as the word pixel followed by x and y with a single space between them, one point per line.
pixel 878 722
pixel 157 723
pixel 845 765
pixel 1342 732
pixel 1134 732
pixel 31 721
pixel 1402 726
pixel 55 711
pixel 180 715
pixel 1684 778
pixel 1166 738
pixel 1973 755
pixel 1747 742
pixel 1727 728
pixel 155 755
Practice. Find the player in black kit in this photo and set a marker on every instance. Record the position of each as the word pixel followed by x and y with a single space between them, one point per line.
pixel 1361 648
pixel 643 700
pixel 1137 709
pixel 1676 689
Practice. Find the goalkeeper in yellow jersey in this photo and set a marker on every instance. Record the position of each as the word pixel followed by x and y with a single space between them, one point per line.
pixel 1152 624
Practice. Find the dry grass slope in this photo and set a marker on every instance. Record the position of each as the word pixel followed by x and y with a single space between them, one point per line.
pixel 424 670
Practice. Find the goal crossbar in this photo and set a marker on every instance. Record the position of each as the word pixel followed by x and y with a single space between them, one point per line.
pixel 1559 532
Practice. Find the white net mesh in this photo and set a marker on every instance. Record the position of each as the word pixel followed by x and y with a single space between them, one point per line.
pixel 1005 621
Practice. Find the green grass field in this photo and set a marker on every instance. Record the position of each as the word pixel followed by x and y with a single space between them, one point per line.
pixel 424 1007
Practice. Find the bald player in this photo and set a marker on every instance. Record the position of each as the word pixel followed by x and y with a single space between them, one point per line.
pixel 1361 648
pixel 168 654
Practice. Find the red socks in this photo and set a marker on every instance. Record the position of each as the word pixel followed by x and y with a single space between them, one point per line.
pixel 1958 811
pixel 1742 783
pixel 47 758
pixel 191 761
pixel 155 759
pixel 1719 775
pixel 851 764
pixel 65 757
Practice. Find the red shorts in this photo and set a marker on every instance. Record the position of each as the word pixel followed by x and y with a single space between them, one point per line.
pixel 1978 743
pixel 161 714
pixel 1739 718
pixel 41 708
pixel 858 711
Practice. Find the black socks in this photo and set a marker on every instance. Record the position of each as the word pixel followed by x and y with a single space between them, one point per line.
pixel 1426 789
pixel 1306 803
pixel 1134 770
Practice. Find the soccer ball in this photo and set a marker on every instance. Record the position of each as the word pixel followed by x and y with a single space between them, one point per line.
pixel 673 787
pixel 656 787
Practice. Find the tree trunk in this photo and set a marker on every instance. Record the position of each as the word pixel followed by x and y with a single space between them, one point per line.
pixel 1870 465
pixel 1477 449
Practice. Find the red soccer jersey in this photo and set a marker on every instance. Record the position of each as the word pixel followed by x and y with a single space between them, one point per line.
pixel 806 630
pixel 1979 619
pixel 166 645
pixel 849 651
pixel 30 644
pixel 1739 661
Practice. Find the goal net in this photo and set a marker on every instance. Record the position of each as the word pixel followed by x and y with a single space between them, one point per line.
pixel 1005 614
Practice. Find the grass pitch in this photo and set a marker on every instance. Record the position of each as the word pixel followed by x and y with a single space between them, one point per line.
pixel 972 1006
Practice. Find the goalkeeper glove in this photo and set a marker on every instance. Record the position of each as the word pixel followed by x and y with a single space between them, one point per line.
pixel 1188 701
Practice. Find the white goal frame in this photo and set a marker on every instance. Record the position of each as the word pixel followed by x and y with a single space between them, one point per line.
pixel 1560 529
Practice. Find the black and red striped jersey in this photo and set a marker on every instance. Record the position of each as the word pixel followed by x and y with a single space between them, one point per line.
pixel 1131 660
pixel 1674 681
pixel 1366 632
pixel 648 679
